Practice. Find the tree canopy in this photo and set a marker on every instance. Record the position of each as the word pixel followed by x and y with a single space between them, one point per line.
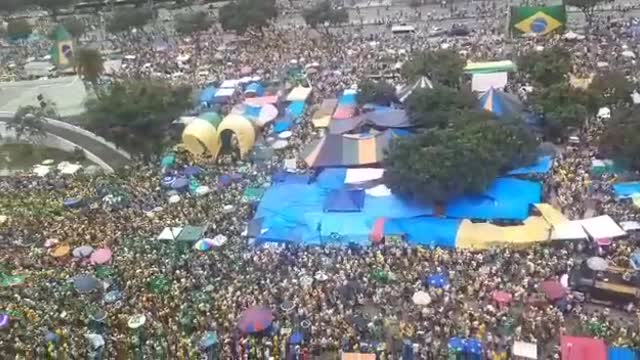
pixel 621 139
pixel 546 67
pixel 376 92
pixel 136 115
pixel 612 89
pixel 89 64
pixel 192 22
pixel 429 108
pixel 563 107
pixel 241 15
pixel 28 122
pixel 438 165
pixel 444 67
pixel 19 29
pixel 323 13
pixel 127 19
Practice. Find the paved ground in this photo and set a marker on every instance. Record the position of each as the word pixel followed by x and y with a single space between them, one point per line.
pixel 67 93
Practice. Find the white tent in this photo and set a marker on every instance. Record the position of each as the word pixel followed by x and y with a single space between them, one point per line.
pixel 169 233
pixel 630 225
pixel 422 83
pixel 355 176
pixel 569 230
pixel 602 227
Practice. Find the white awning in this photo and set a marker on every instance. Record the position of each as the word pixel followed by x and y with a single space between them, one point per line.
pixel 630 225
pixel 570 230
pixel 602 227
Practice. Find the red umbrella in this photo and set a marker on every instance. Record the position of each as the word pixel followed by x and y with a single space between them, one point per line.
pixel 502 297
pixel 553 290
pixel 101 256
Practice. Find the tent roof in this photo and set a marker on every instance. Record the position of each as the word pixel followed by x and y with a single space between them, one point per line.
pixel 500 103
pixel 343 200
pixel 602 227
pixel 387 118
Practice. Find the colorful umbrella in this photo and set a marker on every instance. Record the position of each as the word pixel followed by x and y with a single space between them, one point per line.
pixel 101 256
pixel 192 171
pixel 255 319
pixel 203 245
pixel 4 321
pixel 168 180
pixel 501 297
pixel 82 251
pixel 180 183
pixel 437 281
pixel 553 290
pixel 85 283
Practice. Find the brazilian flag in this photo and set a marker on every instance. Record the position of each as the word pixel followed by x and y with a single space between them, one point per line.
pixel 537 20
pixel 62 49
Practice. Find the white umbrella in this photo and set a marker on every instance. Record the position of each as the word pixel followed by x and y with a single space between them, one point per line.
pixel 219 240
pixel 421 298
pixel 321 276
pixel 629 54
pixel 597 263
pixel 285 134
pixel 280 144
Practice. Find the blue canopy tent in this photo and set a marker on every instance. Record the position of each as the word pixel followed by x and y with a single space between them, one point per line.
pixel 500 103
pixel 343 200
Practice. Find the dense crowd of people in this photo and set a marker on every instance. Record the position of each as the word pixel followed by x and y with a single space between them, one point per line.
pixel 355 299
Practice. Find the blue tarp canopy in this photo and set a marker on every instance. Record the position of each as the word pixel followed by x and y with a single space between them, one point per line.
pixel 541 166
pixel 620 353
pixel 347 99
pixel 627 189
pixel 425 231
pixel 295 109
pixel 208 94
pixel 343 200
pixel 506 198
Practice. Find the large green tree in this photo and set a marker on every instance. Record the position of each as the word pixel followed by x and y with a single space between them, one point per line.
pixel 192 22
pixel 441 66
pixel 376 92
pixel 546 67
pixel 136 114
pixel 428 108
pixel 324 13
pixel 438 165
pixel 242 15
pixel 89 65
pixel 563 107
pixel 621 139
pixel 28 123
pixel 610 88
pixel 128 19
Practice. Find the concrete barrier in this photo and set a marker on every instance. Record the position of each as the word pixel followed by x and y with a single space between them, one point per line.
pixel 67 137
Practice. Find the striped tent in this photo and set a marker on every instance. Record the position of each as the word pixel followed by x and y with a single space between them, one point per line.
pixel 422 83
pixel 500 103
pixel 347 150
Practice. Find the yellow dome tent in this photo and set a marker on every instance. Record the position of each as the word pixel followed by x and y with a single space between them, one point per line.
pixel 201 135
pixel 242 128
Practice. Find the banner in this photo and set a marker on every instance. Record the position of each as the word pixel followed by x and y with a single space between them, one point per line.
pixel 62 49
pixel 537 20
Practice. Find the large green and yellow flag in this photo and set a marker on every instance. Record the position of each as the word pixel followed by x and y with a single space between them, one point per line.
pixel 62 49
pixel 537 20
